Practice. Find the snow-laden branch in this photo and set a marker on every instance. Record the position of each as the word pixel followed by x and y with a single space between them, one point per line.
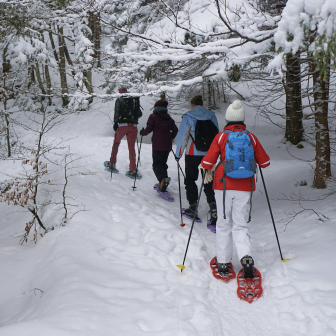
pixel 306 24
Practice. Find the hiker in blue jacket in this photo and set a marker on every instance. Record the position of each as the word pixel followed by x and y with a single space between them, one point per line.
pixel 193 157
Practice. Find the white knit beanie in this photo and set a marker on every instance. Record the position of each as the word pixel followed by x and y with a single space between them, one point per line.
pixel 235 112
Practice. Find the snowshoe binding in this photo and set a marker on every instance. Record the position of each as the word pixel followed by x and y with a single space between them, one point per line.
pixel 249 281
pixel 163 185
pixel 222 272
pixel 132 173
pixel 164 194
pixel 212 218
pixel 111 166
pixel 190 212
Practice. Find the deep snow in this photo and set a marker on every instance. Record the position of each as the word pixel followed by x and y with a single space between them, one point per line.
pixel 111 270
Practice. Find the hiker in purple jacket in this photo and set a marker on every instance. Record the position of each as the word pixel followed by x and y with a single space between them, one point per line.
pixel 164 131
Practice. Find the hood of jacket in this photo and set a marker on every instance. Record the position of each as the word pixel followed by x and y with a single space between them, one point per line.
pixel 200 113
pixel 235 127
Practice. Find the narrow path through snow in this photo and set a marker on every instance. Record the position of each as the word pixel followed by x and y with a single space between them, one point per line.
pixel 153 243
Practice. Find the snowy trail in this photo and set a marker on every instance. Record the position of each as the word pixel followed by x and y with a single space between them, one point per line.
pixel 154 242
pixel 238 317
pixel 112 269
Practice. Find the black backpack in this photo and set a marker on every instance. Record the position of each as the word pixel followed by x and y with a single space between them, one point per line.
pixel 205 132
pixel 130 110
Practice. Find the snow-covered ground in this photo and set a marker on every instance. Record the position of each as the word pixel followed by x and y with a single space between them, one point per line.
pixel 112 269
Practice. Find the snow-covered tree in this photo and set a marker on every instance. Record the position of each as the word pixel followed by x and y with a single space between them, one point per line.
pixel 310 26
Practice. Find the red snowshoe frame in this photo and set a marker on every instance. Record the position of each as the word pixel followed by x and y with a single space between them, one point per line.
pixel 249 289
pixel 232 273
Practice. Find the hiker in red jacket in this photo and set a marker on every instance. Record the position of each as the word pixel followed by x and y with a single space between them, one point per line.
pixel 164 131
pixel 238 192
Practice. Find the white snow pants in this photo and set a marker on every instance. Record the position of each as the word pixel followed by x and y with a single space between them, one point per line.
pixel 234 227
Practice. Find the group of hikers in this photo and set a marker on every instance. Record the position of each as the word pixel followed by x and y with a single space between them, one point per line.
pixel 228 185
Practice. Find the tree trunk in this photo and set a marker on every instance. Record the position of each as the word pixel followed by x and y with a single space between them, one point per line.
pixel 45 68
pixel 9 151
pixel 31 76
pixel 6 66
pixel 88 80
pixel 321 97
pixel 209 95
pixel 48 80
pixel 294 127
pixel 88 83
pixel 39 80
pixel 94 24
pixel 62 68
pixel 97 39
pixel 53 47
pixel 223 90
pixel 67 55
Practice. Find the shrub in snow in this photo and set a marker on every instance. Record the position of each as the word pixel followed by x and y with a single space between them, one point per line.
pixel 22 191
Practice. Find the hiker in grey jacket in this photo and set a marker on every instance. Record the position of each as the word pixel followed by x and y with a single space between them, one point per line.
pixel 193 157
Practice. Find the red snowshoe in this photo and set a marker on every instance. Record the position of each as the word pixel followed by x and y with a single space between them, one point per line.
pixel 249 281
pixel 226 277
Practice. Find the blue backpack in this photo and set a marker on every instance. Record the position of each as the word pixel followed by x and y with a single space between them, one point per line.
pixel 239 160
pixel 239 155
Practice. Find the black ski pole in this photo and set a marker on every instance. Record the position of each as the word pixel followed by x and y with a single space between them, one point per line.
pixel 138 150
pixel 136 171
pixel 178 164
pixel 179 184
pixel 182 267
pixel 269 206
pixel 113 151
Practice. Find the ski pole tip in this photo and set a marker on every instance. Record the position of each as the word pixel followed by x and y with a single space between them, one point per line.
pixel 182 224
pixel 283 260
pixel 181 267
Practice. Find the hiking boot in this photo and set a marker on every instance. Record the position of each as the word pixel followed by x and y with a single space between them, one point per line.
pixel 132 174
pixel 189 213
pixel 191 210
pixel 111 167
pixel 247 263
pixel 164 184
pixel 223 268
pixel 212 214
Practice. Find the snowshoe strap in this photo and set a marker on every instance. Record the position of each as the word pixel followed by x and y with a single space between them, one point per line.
pixel 249 219
pixel 192 138
pixel 224 185
pixel 219 163
pixel 224 189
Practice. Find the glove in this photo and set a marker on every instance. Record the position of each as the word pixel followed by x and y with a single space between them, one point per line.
pixel 115 126
pixel 141 131
pixel 208 173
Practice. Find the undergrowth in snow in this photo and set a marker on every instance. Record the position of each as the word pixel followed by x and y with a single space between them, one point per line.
pixel 111 270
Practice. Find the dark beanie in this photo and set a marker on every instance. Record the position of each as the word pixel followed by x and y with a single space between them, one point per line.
pixel 197 100
pixel 122 90
pixel 161 103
